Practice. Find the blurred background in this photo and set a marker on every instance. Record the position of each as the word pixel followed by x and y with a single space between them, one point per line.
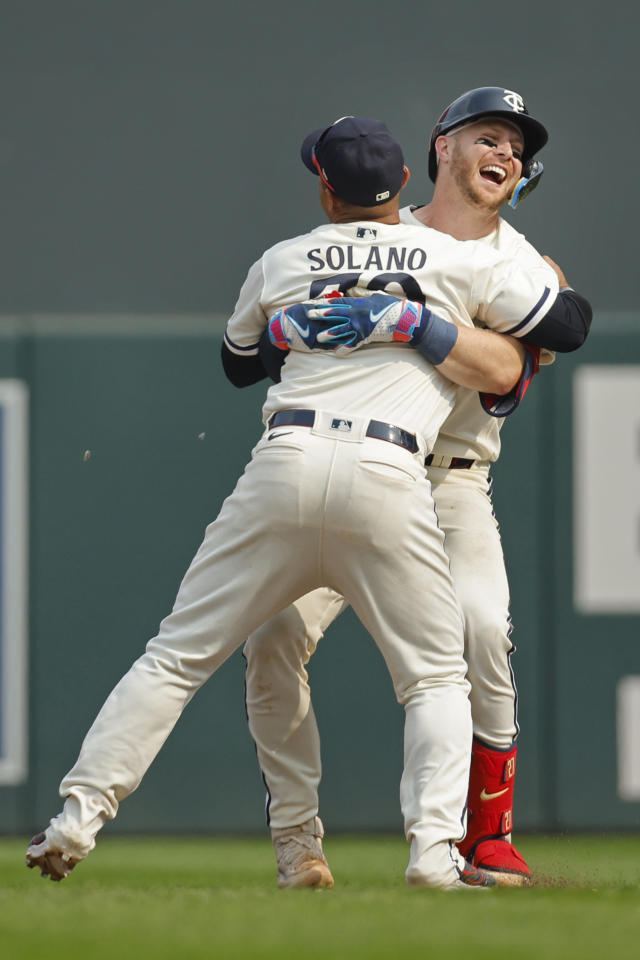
pixel 149 152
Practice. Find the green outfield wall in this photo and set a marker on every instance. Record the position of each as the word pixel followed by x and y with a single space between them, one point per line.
pixel 134 439
pixel 149 152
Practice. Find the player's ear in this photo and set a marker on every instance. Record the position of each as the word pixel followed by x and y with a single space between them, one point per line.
pixel 407 177
pixel 326 198
pixel 443 149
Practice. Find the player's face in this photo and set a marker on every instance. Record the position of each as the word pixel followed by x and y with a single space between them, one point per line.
pixel 486 162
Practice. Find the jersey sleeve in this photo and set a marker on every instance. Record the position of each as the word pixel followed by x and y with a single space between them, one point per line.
pixel 248 321
pixel 513 299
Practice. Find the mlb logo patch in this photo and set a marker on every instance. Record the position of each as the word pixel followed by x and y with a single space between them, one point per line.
pixel 364 233
pixel 344 425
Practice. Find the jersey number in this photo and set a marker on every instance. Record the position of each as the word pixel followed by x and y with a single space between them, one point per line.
pixel 345 281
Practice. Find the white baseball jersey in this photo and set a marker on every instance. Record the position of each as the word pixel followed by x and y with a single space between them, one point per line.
pixel 468 431
pixel 452 276
pixel 462 281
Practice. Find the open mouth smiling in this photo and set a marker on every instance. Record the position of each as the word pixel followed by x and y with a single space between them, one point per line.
pixel 494 174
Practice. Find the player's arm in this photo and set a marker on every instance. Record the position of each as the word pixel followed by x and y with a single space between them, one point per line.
pixel 536 305
pixel 468 356
pixel 242 370
pixel 566 326
pixel 484 360
pixel 271 357
pixel 241 344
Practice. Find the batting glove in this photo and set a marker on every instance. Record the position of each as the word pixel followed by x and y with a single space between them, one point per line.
pixel 341 323
pixel 346 323
pixel 384 319
pixel 316 325
pixel 502 406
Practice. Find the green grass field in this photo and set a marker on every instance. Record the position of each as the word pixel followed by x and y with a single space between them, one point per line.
pixel 216 897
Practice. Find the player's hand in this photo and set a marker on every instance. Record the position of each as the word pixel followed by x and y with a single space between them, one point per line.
pixel 342 324
pixel 345 323
pixel 562 280
pixel 497 406
pixel 316 325
pixel 383 319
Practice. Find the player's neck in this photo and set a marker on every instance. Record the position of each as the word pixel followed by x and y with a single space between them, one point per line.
pixel 339 211
pixel 454 215
pixel 370 214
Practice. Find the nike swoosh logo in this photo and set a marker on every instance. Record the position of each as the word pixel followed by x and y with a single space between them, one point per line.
pixel 303 331
pixel 274 436
pixel 374 317
pixel 491 796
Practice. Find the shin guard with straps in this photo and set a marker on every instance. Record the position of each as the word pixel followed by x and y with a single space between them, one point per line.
pixel 490 802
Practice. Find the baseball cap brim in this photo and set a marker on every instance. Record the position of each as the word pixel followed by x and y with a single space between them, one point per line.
pixel 308 147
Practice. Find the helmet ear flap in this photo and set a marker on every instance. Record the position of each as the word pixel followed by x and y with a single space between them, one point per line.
pixel 531 174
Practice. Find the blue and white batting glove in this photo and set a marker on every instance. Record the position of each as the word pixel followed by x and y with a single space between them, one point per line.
pixel 381 318
pixel 334 323
pixel 384 319
pixel 315 325
pixel 346 323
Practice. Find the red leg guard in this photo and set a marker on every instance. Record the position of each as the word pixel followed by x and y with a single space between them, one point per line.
pixel 490 811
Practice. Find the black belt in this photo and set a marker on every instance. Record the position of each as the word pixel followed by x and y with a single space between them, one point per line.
pixel 455 463
pixel 376 429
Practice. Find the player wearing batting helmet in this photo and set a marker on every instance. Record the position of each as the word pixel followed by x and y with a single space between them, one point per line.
pixel 498 104
pixel 482 155
pixel 336 485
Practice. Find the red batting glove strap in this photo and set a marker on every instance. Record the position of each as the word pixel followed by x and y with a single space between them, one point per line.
pixel 276 332
pixel 490 800
pixel 406 325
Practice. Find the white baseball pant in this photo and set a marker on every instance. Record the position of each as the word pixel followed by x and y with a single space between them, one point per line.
pixel 280 712
pixel 310 509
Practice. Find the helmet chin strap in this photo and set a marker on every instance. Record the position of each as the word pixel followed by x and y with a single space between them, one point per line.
pixel 533 171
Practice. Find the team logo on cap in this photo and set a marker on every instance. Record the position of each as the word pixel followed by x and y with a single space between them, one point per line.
pixel 514 100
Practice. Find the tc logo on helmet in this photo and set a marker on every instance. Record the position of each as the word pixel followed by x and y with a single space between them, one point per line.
pixel 515 101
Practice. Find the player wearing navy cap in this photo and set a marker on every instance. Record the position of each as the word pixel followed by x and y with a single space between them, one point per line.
pixel 335 485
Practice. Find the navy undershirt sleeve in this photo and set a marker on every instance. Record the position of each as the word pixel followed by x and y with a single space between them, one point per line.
pixel 565 326
pixel 242 371
pixel 271 357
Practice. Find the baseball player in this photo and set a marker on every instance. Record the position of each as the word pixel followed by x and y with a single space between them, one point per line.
pixel 335 487
pixel 481 155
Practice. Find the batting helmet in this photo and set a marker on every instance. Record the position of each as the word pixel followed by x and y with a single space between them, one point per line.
pixel 488 102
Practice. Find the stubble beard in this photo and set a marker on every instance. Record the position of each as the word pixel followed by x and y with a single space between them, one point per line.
pixel 462 171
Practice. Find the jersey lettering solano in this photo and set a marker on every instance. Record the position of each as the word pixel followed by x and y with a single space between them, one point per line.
pixel 468 282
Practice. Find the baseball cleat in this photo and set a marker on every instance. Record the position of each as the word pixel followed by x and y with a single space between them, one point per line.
pixel 51 860
pixel 501 859
pixel 470 877
pixel 464 876
pixel 301 860
pixel 309 873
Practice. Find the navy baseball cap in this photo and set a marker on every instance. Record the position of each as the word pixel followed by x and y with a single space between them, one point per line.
pixel 357 159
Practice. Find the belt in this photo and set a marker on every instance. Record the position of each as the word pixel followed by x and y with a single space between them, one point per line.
pixel 376 429
pixel 449 463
